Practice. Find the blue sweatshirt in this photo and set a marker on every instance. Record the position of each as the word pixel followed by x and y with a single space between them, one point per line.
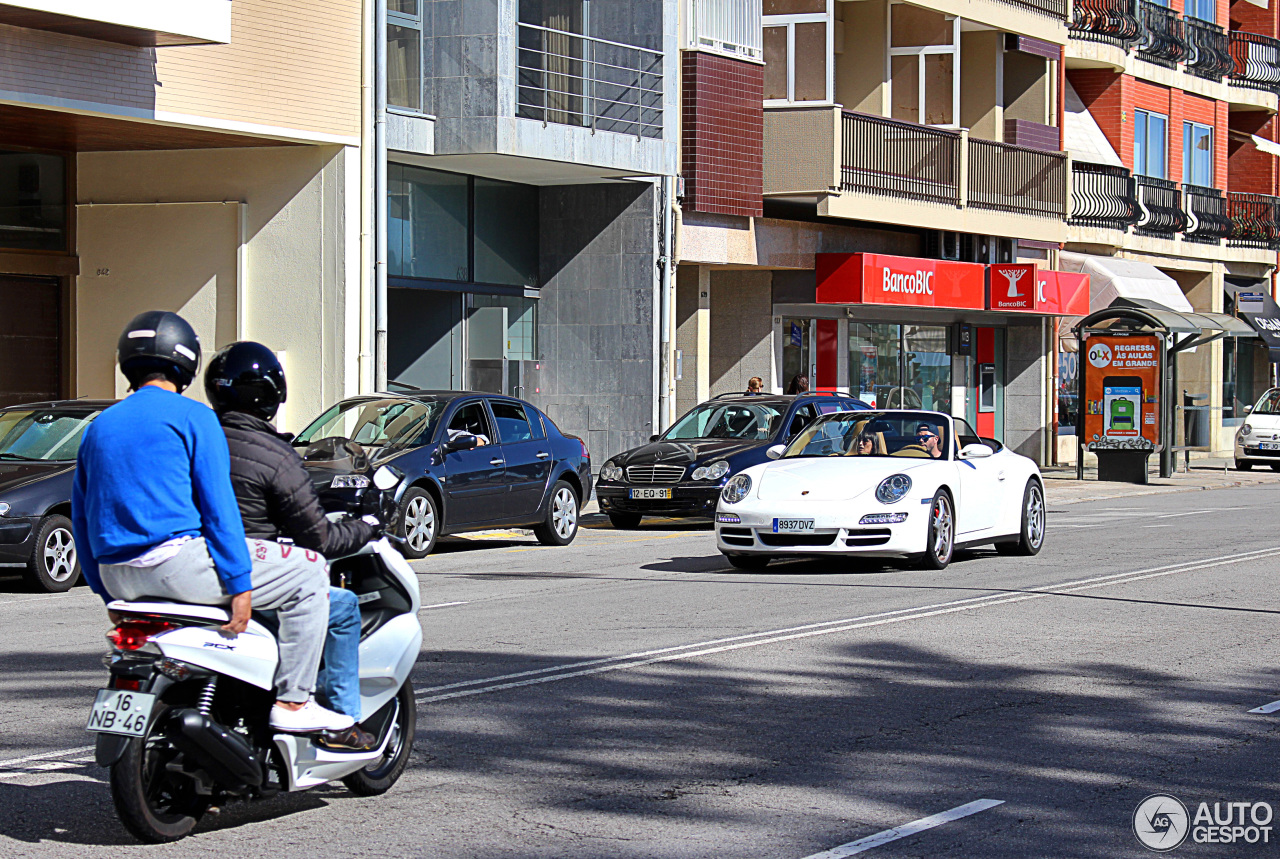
pixel 151 468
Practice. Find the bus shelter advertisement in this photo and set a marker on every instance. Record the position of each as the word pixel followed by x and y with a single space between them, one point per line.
pixel 1122 393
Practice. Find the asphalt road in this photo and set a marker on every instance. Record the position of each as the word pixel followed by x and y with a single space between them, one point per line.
pixel 634 696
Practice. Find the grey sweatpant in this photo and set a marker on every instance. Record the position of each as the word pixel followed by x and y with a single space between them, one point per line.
pixel 293 581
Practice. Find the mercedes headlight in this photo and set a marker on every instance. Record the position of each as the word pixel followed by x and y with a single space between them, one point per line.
pixel 736 489
pixel 349 481
pixel 611 471
pixel 893 488
pixel 714 471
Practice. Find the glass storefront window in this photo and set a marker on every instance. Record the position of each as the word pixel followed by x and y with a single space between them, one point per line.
pixel 1068 394
pixel 795 350
pixel 1245 366
pixel 522 323
pixel 874 375
pixel 506 233
pixel 927 367
pixel 33 201
pixel 900 366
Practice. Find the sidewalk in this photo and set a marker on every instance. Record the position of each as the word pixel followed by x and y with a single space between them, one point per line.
pixel 1061 486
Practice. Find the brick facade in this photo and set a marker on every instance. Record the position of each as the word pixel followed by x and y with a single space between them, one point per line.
pixel 723 136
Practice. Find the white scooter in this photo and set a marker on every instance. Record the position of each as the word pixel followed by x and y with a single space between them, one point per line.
pixel 183 724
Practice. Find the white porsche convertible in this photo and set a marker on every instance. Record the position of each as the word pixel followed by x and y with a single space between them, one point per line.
pixel 882 483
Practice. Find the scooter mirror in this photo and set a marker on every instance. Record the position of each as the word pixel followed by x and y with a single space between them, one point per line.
pixel 386 477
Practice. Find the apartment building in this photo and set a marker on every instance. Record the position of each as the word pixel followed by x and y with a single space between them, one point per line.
pixel 526 145
pixel 914 201
pixel 201 157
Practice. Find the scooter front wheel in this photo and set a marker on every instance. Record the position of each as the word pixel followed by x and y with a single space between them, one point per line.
pixel 380 775
pixel 154 804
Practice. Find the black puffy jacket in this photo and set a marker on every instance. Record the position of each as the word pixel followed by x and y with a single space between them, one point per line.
pixel 275 494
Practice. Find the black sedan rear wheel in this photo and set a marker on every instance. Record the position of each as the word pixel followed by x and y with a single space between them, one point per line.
pixel 561 524
pixel 53 566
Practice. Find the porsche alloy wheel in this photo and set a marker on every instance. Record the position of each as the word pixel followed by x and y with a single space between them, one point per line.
pixel 942 532
pixel 1031 537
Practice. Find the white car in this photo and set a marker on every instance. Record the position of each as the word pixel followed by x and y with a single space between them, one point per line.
pixel 898 483
pixel 1258 439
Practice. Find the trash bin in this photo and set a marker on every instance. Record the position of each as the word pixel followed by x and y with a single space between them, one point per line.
pixel 1195 420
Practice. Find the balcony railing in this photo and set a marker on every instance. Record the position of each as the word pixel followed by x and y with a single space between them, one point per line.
pixel 1112 21
pixel 1206 210
pixel 570 79
pixel 899 159
pixel 1056 8
pixel 1103 195
pixel 1255 220
pixel 1160 208
pixel 1255 60
pixel 1017 179
pixel 1164 37
pixel 1210 56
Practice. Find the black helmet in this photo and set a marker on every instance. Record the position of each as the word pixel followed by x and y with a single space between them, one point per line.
pixel 159 342
pixel 246 377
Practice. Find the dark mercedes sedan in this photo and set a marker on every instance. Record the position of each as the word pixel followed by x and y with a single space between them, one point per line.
pixel 472 461
pixel 38 446
pixel 681 472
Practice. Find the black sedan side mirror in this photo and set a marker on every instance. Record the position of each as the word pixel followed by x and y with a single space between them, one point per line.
pixel 462 442
pixel 653 438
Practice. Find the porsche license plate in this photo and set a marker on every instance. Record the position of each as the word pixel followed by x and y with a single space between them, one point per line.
pixel 1269 445
pixel 650 494
pixel 792 526
pixel 117 711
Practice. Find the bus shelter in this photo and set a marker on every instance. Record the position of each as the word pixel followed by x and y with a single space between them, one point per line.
pixel 1128 379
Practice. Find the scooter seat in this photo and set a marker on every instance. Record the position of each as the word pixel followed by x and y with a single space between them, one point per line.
pixel 265 623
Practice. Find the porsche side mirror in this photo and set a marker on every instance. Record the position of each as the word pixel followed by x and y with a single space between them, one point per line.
pixel 775 451
pixel 975 451
pixel 465 441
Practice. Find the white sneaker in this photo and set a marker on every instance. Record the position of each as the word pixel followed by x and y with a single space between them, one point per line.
pixel 311 717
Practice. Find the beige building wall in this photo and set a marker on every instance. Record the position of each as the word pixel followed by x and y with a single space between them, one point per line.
pixel 860 68
pixel 741 329
pixel 1027 88
pixel 980 109
pixel 275 264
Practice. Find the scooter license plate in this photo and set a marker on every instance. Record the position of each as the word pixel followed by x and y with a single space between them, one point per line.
pixel 118 711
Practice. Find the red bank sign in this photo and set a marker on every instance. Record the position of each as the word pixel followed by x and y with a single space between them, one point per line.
pixel 883 279
pixel 1029 289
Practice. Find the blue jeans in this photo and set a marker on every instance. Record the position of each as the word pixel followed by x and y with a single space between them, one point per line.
pixel 338 684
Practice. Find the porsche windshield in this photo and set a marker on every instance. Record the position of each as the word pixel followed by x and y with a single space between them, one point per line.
pixel 48 435
pixel 902 434
pixel 1269 404
pixel 726 420
pixel 376 423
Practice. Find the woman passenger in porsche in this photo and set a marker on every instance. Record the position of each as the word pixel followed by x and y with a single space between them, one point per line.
pixel 878 434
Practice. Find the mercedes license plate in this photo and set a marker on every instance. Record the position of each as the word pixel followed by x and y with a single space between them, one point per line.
pixel 650 494
pixel 1269 445
pixel 792 526
pixel 117 711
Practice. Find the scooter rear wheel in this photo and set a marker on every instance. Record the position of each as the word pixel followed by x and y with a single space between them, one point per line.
pixel 380 775
pixel 152 803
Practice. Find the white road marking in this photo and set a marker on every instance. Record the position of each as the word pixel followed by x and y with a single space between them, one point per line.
pixel 722 645
pixel 864 844
pixel 1267 708
pixel 446 604
pixel 43 756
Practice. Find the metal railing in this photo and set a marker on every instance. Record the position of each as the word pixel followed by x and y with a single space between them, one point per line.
pixel 1210 56
pixel 1017 179
pixel 1164 35
pixel 1160 207
pixel 1103 195
pixel 1255 220
pixel 728 26
pixel 571 79
pixel 1056 8
pixel 1206 211
pixel 1255 60
pixel 899 159
pixel 1112 21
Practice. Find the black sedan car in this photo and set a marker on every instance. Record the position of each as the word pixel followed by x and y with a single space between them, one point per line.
pixel 38 445
pixel 681 472
pixel 472 461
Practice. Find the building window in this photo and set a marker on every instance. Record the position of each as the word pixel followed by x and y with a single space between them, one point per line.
pixel 1150 143
pixel 1197 154
pixel 404 54
pixel 730 27
pixel 1202 9
pixel 33 201
pixel 798 50
pixel 451 227
pixel 897 366
pixel 924 58
pixel 522 323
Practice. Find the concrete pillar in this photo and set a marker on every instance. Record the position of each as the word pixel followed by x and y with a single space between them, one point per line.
pixel 702 327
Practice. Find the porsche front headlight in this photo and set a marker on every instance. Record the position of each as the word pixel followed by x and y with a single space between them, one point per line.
pixel 736 489
pixel 611 471
pixel 893 489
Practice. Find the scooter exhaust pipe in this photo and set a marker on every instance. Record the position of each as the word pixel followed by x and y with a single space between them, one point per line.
pixel 225 755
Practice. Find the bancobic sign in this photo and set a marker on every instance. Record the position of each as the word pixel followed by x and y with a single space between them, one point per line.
pixel 884 279
pixel 1030 289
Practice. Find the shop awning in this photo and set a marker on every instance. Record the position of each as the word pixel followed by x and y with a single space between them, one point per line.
pixel 1258 308
pixel 1111 278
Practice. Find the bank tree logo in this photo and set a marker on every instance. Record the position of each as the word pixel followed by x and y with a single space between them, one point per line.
pixel 1100 355
pixel 1013 275
pixel 1161 822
